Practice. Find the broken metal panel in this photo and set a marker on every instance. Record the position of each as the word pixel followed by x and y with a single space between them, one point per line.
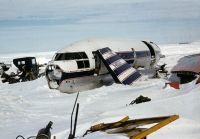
pixel 187 65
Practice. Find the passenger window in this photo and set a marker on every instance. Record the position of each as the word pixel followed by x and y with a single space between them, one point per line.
pixel 71 56
pixel 80 64
pixel 60 57
pixel 83 64
pixel 83 55
pixel 87 64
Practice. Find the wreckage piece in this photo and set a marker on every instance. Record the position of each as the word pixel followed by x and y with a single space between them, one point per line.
pixel 140 99
pixel 160 71
pixel 186 70
pixel 188 64
pixel 9 78
pixel 134 128
pixel 43 133
pixel 4 67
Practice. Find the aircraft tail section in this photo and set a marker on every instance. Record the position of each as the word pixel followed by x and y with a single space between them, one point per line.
pixel 119 69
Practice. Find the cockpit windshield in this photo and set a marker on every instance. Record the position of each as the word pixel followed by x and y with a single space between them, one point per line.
pixel 70 56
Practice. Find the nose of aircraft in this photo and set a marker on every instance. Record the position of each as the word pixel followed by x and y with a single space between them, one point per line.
pixel 54 72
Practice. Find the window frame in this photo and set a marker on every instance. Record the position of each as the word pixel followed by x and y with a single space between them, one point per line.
pixel 70 56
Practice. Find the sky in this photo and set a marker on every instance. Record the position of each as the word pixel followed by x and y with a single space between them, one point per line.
pixel 48 25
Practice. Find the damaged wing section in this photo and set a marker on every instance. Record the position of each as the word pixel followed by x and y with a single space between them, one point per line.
pixel 119 69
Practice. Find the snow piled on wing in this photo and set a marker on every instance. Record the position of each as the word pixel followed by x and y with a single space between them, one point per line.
pixel 27 107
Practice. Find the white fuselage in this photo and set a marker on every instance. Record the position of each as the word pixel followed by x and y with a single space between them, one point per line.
pixel 77 67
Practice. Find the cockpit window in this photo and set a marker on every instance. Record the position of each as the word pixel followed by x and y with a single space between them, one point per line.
pixel 71 56
pixel 83 55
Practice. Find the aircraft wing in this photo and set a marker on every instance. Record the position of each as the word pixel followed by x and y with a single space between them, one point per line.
pixel 119 69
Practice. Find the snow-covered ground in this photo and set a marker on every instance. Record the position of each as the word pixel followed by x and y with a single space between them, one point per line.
pixel 26 107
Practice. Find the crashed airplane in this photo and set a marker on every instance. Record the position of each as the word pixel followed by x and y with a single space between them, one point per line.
pixel 89 64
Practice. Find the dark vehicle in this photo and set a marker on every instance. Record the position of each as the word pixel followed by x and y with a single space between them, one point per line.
pixel 28 70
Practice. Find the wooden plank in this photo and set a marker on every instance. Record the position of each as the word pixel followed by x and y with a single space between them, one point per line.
pixel 125 122
pixel 124 129
pixel 146 121
pixel 103 126
pixel 152 129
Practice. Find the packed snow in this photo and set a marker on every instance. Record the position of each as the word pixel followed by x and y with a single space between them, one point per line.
pixel 28 106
